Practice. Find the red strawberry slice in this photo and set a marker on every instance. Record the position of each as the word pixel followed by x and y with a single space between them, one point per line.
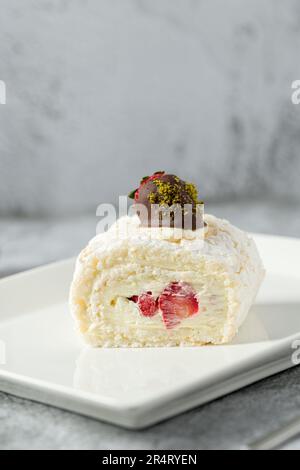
pixel 146 303
pixel 145 180
pixel 177 302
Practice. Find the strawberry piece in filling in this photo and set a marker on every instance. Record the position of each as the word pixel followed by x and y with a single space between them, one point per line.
pixel 146 303
pixel 177 302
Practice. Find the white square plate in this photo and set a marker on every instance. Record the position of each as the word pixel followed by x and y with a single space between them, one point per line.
pixel 45 360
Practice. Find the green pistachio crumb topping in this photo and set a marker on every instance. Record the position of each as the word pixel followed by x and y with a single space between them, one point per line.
pixel 192 191
pixel 152 198
pixel 171 193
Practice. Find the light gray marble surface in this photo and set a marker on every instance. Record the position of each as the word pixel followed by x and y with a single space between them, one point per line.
pixel 230 422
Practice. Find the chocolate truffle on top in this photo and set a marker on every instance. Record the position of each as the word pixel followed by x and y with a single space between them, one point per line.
pixel 164 191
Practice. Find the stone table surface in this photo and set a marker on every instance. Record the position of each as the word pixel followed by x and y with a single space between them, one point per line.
pixel 230 422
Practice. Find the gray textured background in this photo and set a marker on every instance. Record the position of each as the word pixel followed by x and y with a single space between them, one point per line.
pixel 100 92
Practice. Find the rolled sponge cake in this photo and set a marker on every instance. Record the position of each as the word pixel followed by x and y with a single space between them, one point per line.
pixel 219 268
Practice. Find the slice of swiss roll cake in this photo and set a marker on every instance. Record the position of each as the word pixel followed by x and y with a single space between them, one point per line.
pixel 150 283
